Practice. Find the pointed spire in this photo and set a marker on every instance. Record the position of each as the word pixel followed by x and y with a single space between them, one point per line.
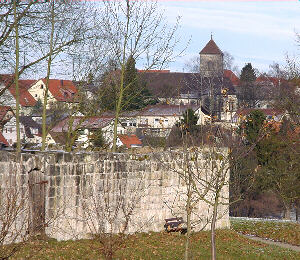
pixel 211 47
pixel 211 36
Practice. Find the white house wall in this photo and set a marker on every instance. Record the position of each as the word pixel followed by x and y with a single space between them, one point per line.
pixel 9 131
pixel 37 90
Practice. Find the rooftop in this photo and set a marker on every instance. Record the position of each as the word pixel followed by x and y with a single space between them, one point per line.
pixel 130 140
pixel 211 48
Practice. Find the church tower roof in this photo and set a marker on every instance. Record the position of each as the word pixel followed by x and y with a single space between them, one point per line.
pixel 211 48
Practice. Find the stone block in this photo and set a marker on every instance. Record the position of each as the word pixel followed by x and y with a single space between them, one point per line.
pixel 68 157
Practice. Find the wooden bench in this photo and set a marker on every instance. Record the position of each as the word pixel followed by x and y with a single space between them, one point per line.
pixel 175 225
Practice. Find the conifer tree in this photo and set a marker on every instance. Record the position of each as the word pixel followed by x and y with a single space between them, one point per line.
pixel 247 93
pixel 248 74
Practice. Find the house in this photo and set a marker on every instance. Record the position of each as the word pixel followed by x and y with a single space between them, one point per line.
pixel 166 116
pixel 271 114
pixel 266 86
pixel 85 128
pixel 8 97
pixel 59 91
pixel 130 141
pixel 8 126
pixel 33 130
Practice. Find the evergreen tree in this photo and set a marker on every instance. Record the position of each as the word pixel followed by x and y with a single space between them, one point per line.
pixel 189 120
pixel 135 95
pixel 97 138
pixel 253 126
pixel 132 93
pixel 248 74
pixel 280 165
pixel 248 92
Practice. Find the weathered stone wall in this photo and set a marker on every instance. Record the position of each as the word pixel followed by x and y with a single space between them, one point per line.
pixel 86 193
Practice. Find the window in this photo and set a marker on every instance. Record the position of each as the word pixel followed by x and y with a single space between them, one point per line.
pixel 166 120
pixel 36 95
pixel 156 120
pixel 210 65
pixel 42 86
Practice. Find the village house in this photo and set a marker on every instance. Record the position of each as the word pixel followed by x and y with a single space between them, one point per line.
pixel 85 128
pixel 8 125
pixel 157 119
pixel 33 130
pixel 266 87
pixel 8 97
pixel 30 131
pixel 271 115
pixel 59 91
pixel 166 116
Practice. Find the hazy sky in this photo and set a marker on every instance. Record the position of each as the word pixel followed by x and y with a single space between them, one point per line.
pixel 259 32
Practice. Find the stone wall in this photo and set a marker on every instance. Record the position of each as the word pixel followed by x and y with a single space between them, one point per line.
pixel 71 196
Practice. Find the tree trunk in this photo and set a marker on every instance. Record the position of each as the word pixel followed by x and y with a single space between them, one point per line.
pixel 120 99
pixel 213 229
pixel 17 80
pixel 188 221
pixel 287 211
pixel 44 130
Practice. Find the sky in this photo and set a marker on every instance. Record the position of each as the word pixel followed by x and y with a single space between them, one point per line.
pixel 260 32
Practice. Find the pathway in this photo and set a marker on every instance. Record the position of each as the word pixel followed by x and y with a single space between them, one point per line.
pixel 270 242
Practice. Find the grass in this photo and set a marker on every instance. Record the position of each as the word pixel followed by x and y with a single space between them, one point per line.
pixel 230 245
pixel 287 232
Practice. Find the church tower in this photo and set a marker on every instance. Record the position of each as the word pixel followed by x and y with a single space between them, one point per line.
pixel 211 60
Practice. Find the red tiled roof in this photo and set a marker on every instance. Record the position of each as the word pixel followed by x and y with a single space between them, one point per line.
pixel 266 111
pixel 232 77
pixel 3 111
pixel 211 48
pixel 155 71
pixel 130 140
pixel 26 100
pixel 265 79
pixel 3 140
pixel 62 90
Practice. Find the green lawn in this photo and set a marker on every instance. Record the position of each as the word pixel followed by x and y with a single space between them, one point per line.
pixel 230 245
pixel 288 232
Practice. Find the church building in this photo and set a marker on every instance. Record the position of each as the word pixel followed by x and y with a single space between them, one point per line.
pixel 211 60
pixel 212 87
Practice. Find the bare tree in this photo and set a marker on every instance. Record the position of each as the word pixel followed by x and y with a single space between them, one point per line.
pixel 14 216
pixel 193 65
pixel 67 28
pixel 138 30
pixel 17 51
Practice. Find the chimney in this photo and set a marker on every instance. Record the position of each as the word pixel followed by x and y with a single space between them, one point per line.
pixel 62 82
